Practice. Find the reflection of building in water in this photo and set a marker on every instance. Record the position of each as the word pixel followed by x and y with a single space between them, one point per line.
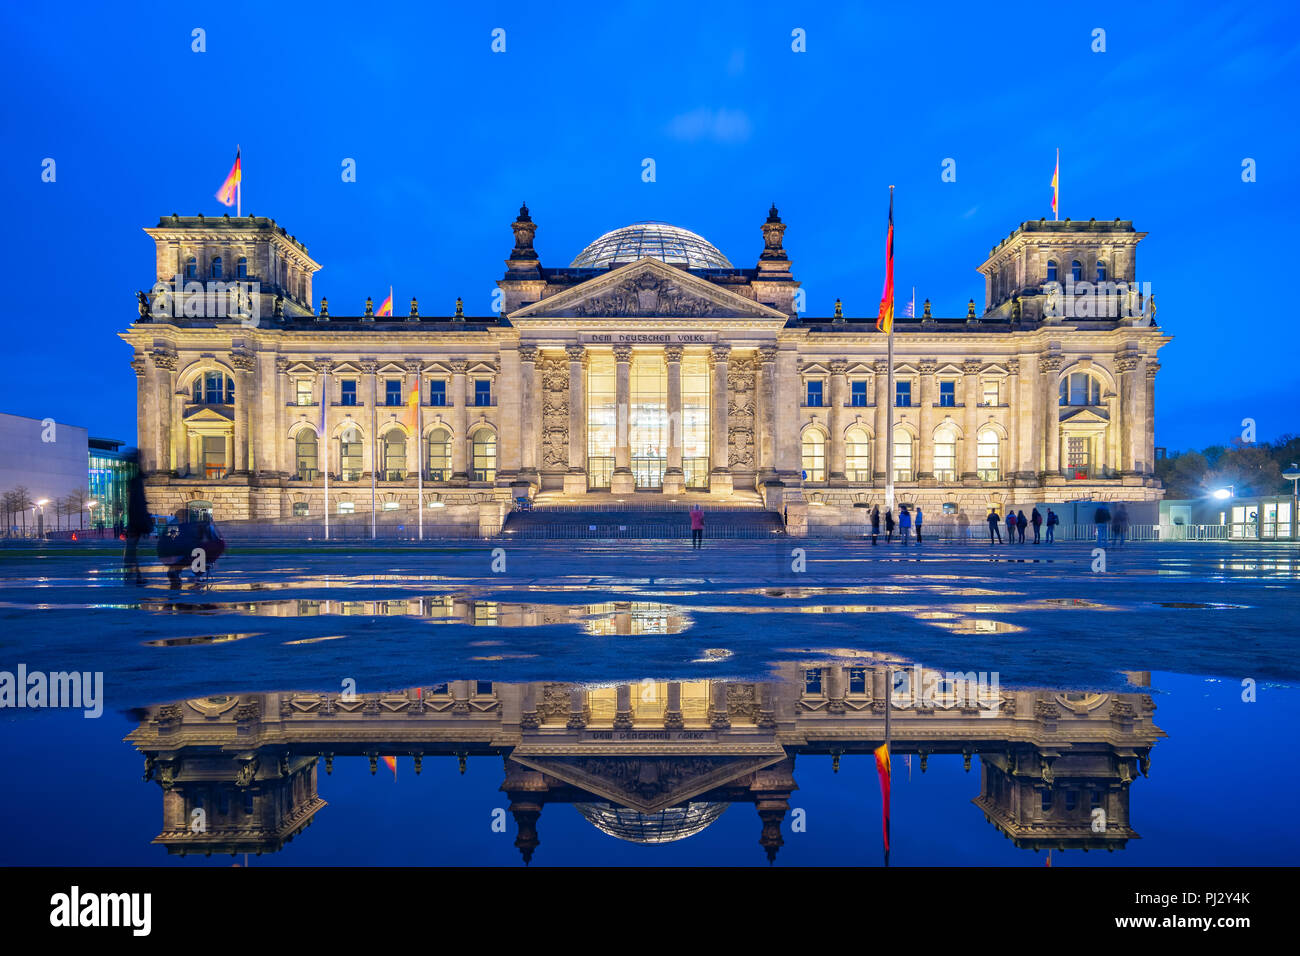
pixel 650 762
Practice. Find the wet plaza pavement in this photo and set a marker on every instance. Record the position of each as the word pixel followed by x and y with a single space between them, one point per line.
pixel 609 702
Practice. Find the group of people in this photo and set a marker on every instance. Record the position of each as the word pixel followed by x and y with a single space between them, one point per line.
pixel 179 541
pixel 907 521
pixel 1117 524
pixel 1017 524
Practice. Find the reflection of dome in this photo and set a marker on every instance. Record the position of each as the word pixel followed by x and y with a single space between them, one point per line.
pixel 675 823
pixel 659 240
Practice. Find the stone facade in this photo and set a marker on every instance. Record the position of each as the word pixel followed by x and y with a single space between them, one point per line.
pixel 644 377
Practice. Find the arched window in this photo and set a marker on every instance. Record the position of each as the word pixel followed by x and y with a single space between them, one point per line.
pixel 241 268
pixel 1101 271
pixel 440 455
pixel 987 449
pixel 903 458
pixel 1051 270
pixel 304 454
pixel 216 267
pixel 483 455
pixel 214 388
pixel 1080 388
pixel 191 268
pixel 945 454
pixel 350 452
pixel 814 455
pixel 394 445
pixel 857 460
pixel 1076 270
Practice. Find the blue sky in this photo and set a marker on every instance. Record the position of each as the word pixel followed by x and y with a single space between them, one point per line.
pixel 449 137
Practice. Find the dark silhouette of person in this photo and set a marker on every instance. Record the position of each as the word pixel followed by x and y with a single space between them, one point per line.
pixel 1036 520
pixel 889 525
pixel 875 524
pixel 697 527
pixel 139 523
pixel 1021 521
pixel 994 520
pixel 1011 526
pixel 917 521
pixel 1053 519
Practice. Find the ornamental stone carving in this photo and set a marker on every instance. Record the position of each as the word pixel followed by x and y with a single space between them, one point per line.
pixel 1049 363
pixel 164 360
pixel 647 295
pixel 243 361
pixel 528 353
pixel 972 366
pixel 1013 366
pixel 741 388
pixel 1152 368
pixel 839 367
pixel 555 702
pixel 555 413
pixel 673 353
pixel 622 353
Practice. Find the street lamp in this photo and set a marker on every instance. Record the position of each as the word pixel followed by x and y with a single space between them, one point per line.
pixel 1224 493
pixel 1292 475
pixel 40 516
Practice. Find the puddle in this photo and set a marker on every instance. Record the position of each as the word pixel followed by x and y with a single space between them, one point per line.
pixel 205 639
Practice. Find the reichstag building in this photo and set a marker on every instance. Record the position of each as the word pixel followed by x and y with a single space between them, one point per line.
pixel 649 368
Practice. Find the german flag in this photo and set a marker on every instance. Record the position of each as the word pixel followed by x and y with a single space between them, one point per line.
pixel 882 768
pixel 885 322
pixel 229 191
pixel 386 307
pixel 1056 185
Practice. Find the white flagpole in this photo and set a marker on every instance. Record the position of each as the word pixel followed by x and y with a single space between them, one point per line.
pixel 239 186
pixel 324 394
pixel 889 425
pixel 374 452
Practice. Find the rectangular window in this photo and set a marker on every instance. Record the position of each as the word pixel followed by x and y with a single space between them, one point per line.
pixel 814 393
pixel 947 394
pixel 300 509
pixel 990 393
pixel 348 391
pixel 1076 456
pixel 812 681
pixel 392 391
pixel 303 386
pixel 214 456
pixel 482 392
pixel 858 395
pixel 857 680
pixel 945 461
pixel 391 505
pixel 902 394
pixel 347 507
pixel 602 435
pixel 438 392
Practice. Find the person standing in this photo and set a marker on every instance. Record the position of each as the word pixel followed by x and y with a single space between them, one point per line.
pixel 1101 517
pixel 1011 526
pixel 918 524
pixel 1036 520
pixel 875 524
pixel 889 525
pixel 1052 520
pixel 994 520
pixel 904 524
pixel 697 527
pixel 139 523
pixel 1119 526
pixel 1021 521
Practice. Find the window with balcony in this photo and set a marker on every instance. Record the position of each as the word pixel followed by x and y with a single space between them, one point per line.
pixel 394 445
pixel 945 454
pixel 857 455
pixel 483 455
pixel 814 455
pixel 304 454
pixel 439 455
pixel 350 450
pixel 987 454
pixel 903 458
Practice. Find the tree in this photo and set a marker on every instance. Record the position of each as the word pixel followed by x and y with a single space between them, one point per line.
pixel 1249 469
pixel 23 501
pixel 76 504
pixel 1183 475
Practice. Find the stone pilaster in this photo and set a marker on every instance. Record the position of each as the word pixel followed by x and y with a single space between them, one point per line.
pixel 622 481
pixel 766 388
pixel 971 370
pixel 1127 364
pixel 370 369
pixel 459 423
pixel 674 477
pixel 835 418
pixel 1014 463
pixel 925 460
pixel 575 480
pixel 880 466
pixel 528 408
pixel 245 400
pixel 1151 367
pixel 1049 368
pixel 719 453
pixel 415 460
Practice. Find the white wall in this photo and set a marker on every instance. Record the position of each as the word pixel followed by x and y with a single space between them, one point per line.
pixel 49 469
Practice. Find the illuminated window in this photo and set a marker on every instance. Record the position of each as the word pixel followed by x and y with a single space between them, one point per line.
pixel 987 449
pixel 304 445
pixel 857 455
pixel 1080 388
pixel 350 449
pixel 394 444
pixel 483 449
pixel 814 455
pixel 304 396
pixel 945 454
pixel 440 455
pixel 903 455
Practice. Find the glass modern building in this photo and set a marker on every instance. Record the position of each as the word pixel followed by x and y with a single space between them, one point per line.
pixel 111 471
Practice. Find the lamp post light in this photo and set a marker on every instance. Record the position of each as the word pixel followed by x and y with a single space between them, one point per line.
pixel 1292 474
pixel 1224 493
pixel 40 516
pixel 90 506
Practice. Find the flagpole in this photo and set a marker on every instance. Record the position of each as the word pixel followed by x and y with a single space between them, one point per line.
pixel 324 394
pixel 419 445
pixel 889 749
pixel 889 397
pixel 239 187
pixel 1056 211
pixel 374 451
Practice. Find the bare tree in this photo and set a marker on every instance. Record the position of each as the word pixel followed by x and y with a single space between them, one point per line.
pixel 76 504
pixel 23 501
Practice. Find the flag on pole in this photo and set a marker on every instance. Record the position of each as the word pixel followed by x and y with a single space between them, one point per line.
pixel 885 321
pixel 413 405
pixel 882 768
pixel 386 307
pixel 391 762
pixel 1056 185
pixel 228 193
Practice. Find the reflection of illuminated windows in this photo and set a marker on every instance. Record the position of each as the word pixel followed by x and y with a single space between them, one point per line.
pixel 812 681
pixel 857 680
pixel 485 613
pixel 603 704
pixel 695 699
pixel 308 608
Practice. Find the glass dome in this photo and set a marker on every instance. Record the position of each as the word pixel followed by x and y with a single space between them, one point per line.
pixel 675 823
pixel 659 240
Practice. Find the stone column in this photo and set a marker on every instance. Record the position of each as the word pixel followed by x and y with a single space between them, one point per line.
pixel 459 423
pixel 1049 366
pixel 243 364
pixel 766 388
pixel 324 460
pixel 835 682
pixel 164 374
pixel 623 707
pixel 179 450
pixel 414 447
pixel 786 435
pixel 369 447
pixel 528 394
pixel 1126 364
pixel 673 711
pixel 575 481
pixel 1014 464
pixel 925 460
pixel 674 477
pixel 878 463
pixel 622 481
pixel 281 452
pixel 1026 413
pixel 143 396
pixel 719 452
pixel 971 369
pixel 835 418
pixel 1148 425
pixel 719 711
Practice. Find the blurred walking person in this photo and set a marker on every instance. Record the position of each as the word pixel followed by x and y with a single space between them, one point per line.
pixel 1011 526
pixel 1053 519
pixel 918 524
pixel 697 527
pixel 1101 517
pixel 139 523
pixel 904 524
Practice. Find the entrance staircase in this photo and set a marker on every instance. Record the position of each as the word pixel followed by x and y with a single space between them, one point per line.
pixel 647 521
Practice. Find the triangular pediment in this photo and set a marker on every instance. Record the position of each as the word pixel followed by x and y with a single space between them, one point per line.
pixel 646 289
pixel 651 782
pixel 208 415
pixel 1084 416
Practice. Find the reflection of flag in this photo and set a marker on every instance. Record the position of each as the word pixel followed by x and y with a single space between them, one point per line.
pixel 391 763
pixel 386 307
pixel 882 768
pixel 1056 183
pixel 226 195
pixel 885 321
